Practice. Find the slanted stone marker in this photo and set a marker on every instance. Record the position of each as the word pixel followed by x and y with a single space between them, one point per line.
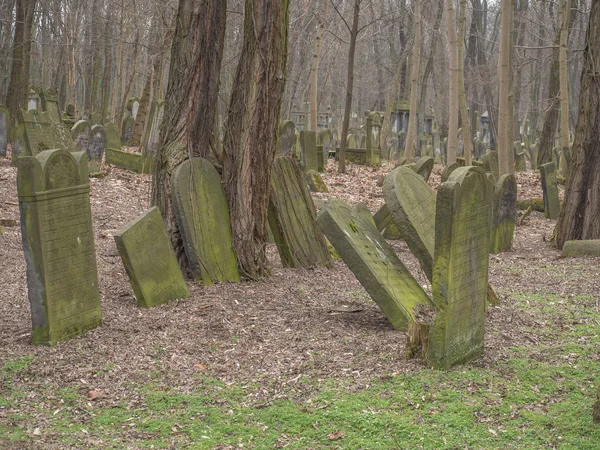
pixel 81 135
pixel 315 181
pixel 4 124
pixel 41 133
pixel 448 170
pixel 96 147
pixel 460 270
pixel 581 248
pixel 286 138
pixel 308 148
pixel 373 262
pixel 58 242
pixel 150 261
pixel 424 166
pixel 292 218
pixel 202 214
pixel 504 213
pixel 550 190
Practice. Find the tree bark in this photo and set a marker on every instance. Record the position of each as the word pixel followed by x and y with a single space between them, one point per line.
pixel 314 70
pixel 504 142
pixel 453 88
pixel 414 88
pixel 192 97
pixel 580 215
pixel 251 130
pixel 565 11
pixel 462 95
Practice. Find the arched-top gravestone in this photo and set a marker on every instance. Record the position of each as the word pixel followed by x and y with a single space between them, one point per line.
pixel 460 271
pixel 308 148
pixel 490 162
pixel 448 170
pixel 81 135
pixel 286 137
pixel 351 141
pixel 96 147
pixel 292 218
pixel 113 140
pixel 326 140
pixel 58 243
pixel 203 217
pixel 374 262
pixel 424 166
pixel 504 213
pixel 4 124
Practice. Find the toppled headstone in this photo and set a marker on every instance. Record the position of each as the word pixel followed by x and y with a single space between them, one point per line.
pixel 96 147
pixel 81 135
pixel 589 247
pixel 550 190
pixel 308 146
pixel 4 124
pixel 150 261
pixel 364 212
pixel 504 213
pixel 202 214
pixel 424 166
pixel 315 181
pixel 58 242
pixel 373 262
pixel 292 218
pixel 460 272
pixel 286 138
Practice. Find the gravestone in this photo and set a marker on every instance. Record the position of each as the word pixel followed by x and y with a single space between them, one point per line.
pixel 373 262
pixel 504 213
pixel 448 170
pixel 424 166
pixel 202 214
pixel 58 242
pixel 589 247
pixel 49 101
pixel 18 143
pixel 460 271
pixel 308 146
pixel 490 162
pixel 286 138
pixel 326 140
pixel 315 181
pixel 96 147
pixel 70 110
pixel 33 101
pixel 134 109
pixel 150 261
pixel 533 152
pixel 81 135
pixel 520 162
pixel 43 134
pixel 113 140
pixel 292 217
pixel 127 130
pixel 4 124
pixel 550 190
pixel 351 141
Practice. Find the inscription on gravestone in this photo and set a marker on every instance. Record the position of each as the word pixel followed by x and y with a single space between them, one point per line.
pixel 58 244
pixel 81 135
pixel 96 147
pixel 308 146
pixel 43 134
pixel 550 190
pixel 504 212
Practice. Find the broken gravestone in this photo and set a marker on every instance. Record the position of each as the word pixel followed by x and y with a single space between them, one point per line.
pixel 315 181
pixel 424 166
pixel 58 243
pixel 460 270
pixel 504 213
pixel 202 214
pixel 292 218
pixel 550 190
pixel 150 261
pixel 373 262
pixel 96 147
pixel 308 148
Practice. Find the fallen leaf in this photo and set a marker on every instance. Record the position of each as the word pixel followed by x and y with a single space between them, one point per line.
pixel 200 367
pixel 335 435
pixel 94 395
pixel 37 432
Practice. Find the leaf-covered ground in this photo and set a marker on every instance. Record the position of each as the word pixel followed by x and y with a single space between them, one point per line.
pixel 303 359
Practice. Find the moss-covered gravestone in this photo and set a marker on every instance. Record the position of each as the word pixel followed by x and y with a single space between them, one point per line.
pixel 373 262
pixel 292 218
pixel 58 243
pixel 490 162
pixel 504 213
pixel 351 141
pixel 424 166
pixel 286 138
pixel 460 271
pixel 550 190
pixel 4 124
pixel 127 130
pixel 589 247
pixel 96 147
pixel 41 133
pixel 326 141
pixel 315 181
pixel 448 170
pixel 308 148
pixel 80 132
pixel 203 217
pixel 112 136
pixel 149 260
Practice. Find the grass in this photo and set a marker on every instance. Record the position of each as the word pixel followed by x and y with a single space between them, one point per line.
pixel 538 396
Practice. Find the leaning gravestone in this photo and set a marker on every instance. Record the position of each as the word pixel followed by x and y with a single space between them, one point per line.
pixel 326 140
pixel 373 262
pixel 43 134
pixel 424 166
pixel 292 218
pixel 550 190
pixel 315 181
pixel 460 270
pixel 112 136
pixel 127 129
pixel 4 124
pixel 150 260
pixel 58 242
pixel 81 135
pixel 203 217
pixel 308 148
pixel 504 212
pixel 286 138
pixel 96 147
pixel 448 170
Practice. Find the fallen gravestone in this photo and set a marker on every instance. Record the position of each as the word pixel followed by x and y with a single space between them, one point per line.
pixel 373 262
pixel 308 149
pixel 58 242
pixel 81 135
pixel 150 261
pixel 202 214
pixel 424 166
pixel 581 248
pixel 504 213
pixel 4 124
pixel 550 190
pixel 96 147
pixel 292 218
pixel 315 181
pixel 286 138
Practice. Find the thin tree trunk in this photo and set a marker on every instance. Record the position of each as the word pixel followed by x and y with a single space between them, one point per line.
pixel 127 87
pixel 314 71
pixel 453 88
pixel 462 95
pixel 414 88
pixel 504 145
pixel 565 11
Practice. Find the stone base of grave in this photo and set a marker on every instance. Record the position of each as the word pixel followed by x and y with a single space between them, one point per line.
pixel 581 248
pixel 125 160
pixel 361 156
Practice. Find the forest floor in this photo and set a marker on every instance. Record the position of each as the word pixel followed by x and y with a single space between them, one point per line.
pixel 302 359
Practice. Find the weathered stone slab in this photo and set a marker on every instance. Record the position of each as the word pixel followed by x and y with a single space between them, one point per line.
pixel 326 141
pixel 490 162
pixel 550 190
pixel 520 162
pixel 589 247
pixel 96 147
pixel 4 127
pixel 112 136
pixel 125 160
pixel 286 138
pixel 460 273
pixel 81 135
pixel 58 242
pixel 41 133
pixel 424 166
pixel 373 262
pixel 315 181
pixel 150 261
pixel 448 170
pixel 504 213
pixel 203 217
pixel 364 212
pixel 308 148
pixel 292 218
pixel 127 129
pixel 351 141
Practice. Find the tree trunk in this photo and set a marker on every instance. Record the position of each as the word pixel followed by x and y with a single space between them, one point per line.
pixel 579 218
pixel 504 143
pixel 462 95
pixel 453 88
pixel 414 88
pixel 251 130
pixel 314 70
pixel 565 11
pixel 126 88
pixel 192 92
